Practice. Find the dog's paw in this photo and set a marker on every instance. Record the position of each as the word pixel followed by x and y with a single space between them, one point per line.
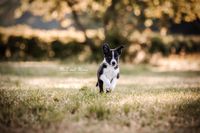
pixel 108 90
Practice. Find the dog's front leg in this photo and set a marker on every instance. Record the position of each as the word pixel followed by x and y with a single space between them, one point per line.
pixel 106 82
pixel 100 84
pixel 113 83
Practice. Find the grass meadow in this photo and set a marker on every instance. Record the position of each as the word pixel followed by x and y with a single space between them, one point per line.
pixel 61 97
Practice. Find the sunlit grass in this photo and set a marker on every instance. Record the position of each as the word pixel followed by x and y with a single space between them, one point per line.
pixel 144 100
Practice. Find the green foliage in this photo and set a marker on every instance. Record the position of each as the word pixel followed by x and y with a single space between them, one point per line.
pixel 64 51
pixel 188 46
pixel 157 45
pixel 114 38
pixel 22 48
pixel 33 48
pixel 176 46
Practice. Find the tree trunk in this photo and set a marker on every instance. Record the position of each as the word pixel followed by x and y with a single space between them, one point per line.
pixel 110 15
pixel 81 27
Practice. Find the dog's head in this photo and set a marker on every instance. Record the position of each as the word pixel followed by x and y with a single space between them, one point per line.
pixel 111 56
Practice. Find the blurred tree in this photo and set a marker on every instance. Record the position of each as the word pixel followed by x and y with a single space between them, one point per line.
pixel 7 10
pixel 118 18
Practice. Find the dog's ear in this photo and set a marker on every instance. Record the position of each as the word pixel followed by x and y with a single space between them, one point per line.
pixel 119 49
pixel 106 48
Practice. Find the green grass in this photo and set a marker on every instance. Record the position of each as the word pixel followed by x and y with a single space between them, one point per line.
pixel 38 98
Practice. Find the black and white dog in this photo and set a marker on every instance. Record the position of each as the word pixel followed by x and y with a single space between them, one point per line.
pixel 108 72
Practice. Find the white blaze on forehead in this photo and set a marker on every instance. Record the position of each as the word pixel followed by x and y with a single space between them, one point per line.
pixel 113 55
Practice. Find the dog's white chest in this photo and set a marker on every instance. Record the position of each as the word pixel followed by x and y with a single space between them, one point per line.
pixel 110 72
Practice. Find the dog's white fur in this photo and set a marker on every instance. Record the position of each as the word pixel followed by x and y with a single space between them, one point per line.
pixel 109 73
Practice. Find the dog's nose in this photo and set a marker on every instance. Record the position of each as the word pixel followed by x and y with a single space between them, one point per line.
pixel 113 63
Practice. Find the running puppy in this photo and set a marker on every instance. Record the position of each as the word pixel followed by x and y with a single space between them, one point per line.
pixel 108 72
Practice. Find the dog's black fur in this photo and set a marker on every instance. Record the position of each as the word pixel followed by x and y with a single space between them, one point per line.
pixel 108 71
